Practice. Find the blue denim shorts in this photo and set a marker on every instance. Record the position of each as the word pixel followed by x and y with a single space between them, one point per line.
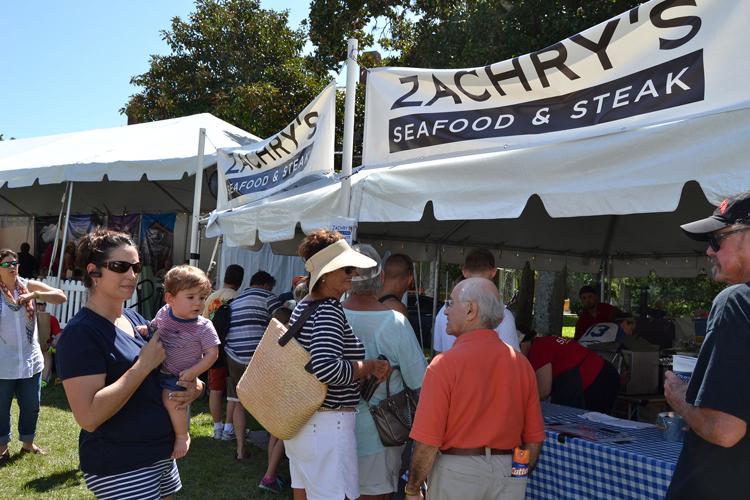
pixel 169 381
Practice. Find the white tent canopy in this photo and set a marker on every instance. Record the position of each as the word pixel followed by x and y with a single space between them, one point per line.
pixel 160 150
pixel 621 196
pixel 137 168
pixel 142 168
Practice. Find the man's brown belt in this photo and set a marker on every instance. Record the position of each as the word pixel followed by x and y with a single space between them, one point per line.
pixel 475 451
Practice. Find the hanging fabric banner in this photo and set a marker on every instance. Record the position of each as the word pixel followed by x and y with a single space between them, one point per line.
pixel 303 148
pixel 659 62
pixel 79 226
pixel 157 240
pixel 127 224
pixel 45 229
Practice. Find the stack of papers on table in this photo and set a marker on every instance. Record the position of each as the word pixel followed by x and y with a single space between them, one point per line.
pixel 611 421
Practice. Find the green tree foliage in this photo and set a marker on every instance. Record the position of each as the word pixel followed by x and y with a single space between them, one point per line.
pixel 233 59
pixel 451 33
pixel 678 296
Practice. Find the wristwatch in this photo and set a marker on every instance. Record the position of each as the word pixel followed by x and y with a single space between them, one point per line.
pixel 409 492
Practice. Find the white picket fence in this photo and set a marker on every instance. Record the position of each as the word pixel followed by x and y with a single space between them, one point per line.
pixel 77 295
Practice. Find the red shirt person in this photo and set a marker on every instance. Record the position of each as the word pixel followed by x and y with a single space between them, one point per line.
pixel 593 311
pixel 570 374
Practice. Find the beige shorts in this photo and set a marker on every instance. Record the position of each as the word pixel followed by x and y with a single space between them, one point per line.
pixel 323 457
pixel 475 477
pixel 378 473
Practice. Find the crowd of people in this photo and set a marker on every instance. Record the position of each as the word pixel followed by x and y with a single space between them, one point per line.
pixel 129 382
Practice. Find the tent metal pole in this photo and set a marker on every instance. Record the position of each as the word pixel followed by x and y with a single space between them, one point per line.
pixel 63 202
pixel 194 229
pixel 352 75
pixel 435 292
pixel 419 308
pixel 212 262
pixel 605 258
pixel 65 235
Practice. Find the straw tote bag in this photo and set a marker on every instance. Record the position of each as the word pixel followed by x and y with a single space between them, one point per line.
pixel 276 388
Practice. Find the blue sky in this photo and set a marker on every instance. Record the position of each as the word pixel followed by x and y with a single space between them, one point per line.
pixel 67 64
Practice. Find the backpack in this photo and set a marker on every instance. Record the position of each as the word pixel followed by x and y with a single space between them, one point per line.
pixel 221 319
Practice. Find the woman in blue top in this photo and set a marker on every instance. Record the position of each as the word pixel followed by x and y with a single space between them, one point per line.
pixel 108 374
pixel 383 332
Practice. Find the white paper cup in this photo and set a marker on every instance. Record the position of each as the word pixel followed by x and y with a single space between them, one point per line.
pixel 683 366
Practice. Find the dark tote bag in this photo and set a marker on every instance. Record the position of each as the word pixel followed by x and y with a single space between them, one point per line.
pixel 394 415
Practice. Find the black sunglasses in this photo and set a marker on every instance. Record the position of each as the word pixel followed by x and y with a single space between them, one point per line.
pixel 121 266
pixel 6 265
pixel 714 239
pixel 349 270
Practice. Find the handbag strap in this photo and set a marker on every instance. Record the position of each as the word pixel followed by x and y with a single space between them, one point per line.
pixel 296 328
pixel 388 384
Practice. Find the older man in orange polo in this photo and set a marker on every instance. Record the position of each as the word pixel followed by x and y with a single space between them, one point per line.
pixel 479 401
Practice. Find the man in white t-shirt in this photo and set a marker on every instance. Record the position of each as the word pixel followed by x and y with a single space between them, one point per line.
pixel 480 263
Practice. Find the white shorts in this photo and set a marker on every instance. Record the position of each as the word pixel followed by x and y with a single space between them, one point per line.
pixel 378 473
pixel 323 457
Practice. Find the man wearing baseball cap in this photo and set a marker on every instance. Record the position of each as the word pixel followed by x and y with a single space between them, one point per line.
pixel 715 403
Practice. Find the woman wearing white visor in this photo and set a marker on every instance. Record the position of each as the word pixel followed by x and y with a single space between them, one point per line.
pixel 323 455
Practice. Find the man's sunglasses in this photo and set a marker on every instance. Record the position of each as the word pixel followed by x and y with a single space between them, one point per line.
pixel 349 270
pixel 121 266
pixel 6 265
pixel 714 239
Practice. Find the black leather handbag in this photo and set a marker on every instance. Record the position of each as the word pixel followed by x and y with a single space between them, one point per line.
pixel 394 415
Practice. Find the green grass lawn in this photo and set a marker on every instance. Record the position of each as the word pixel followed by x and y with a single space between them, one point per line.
pixel 569 325
pixel 208 471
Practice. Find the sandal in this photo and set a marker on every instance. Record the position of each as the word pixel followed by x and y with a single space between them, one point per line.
pixel 35 450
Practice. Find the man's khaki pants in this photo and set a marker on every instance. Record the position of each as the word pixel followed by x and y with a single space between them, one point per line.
pixel 474 478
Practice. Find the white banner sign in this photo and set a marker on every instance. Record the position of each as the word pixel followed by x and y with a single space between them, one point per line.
pixel 664 60
pixel 303 148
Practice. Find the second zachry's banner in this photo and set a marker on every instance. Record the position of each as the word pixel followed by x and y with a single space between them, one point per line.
pixel 303 148
pixel 664 60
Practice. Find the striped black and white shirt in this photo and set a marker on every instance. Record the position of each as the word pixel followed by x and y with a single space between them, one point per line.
pixel 331 343
pixel 251 312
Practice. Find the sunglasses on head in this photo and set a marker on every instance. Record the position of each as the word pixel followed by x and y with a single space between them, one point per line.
pixel 12 263
pixel 714 239
pixel 121 266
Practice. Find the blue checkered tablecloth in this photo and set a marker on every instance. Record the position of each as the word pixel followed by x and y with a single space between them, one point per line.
pixel 578 468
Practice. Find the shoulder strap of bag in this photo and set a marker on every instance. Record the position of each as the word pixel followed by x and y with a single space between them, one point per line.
pixel 296 328
pixel 394 368
pixel 388 297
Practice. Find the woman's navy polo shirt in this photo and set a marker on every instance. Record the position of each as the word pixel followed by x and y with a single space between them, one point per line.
pixel 140 433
